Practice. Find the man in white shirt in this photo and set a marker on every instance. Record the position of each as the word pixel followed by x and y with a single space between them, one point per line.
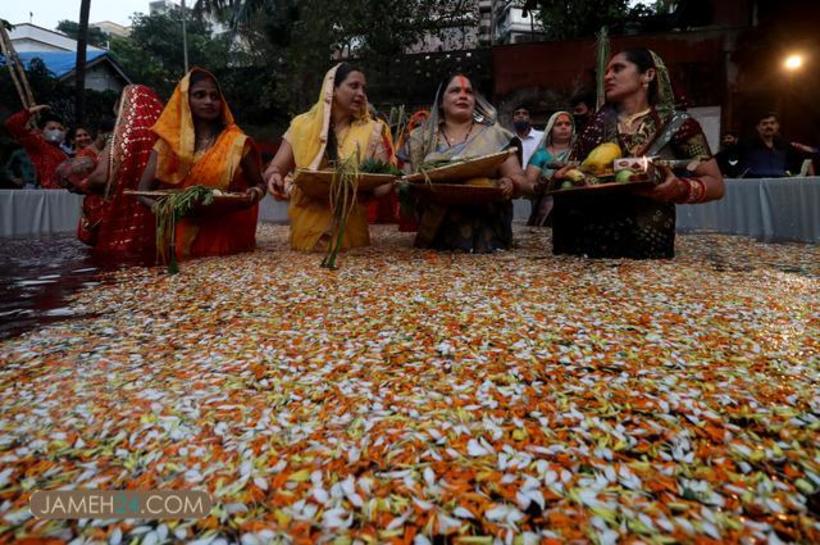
pixel 530 138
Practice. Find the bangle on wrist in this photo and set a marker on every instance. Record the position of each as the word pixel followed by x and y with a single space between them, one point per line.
pixel 695 191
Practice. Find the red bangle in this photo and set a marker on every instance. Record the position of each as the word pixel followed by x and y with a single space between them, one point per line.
pixel 697 190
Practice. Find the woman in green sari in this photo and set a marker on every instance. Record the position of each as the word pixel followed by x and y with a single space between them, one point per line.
pixel 461 125
pixel 640 116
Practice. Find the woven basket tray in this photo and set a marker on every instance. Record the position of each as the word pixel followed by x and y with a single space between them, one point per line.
pixel 464 170
pixel 316 183
pixel 457 194
pixel 224 197
pixel 607 185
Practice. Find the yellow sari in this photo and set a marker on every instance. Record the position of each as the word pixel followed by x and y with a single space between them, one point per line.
pixel 311 220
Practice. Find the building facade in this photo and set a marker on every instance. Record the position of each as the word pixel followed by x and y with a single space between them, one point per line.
pixel 59 54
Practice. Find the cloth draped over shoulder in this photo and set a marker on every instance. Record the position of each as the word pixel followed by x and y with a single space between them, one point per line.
pixel 115 222
pixel 219 167
pixel 626 225
pixel 542 204
pixel 542 155
pixel 365 138
pixel 425 144
pixel 480 229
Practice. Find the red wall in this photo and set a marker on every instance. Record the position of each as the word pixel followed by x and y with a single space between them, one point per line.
pixel 560 65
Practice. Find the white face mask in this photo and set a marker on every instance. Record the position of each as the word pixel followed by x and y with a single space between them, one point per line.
pixel 55 136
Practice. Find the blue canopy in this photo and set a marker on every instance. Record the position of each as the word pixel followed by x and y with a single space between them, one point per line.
pixel 58 63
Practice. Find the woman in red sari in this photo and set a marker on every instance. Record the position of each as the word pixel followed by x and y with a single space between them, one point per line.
pixel 112 222
pixel 199 144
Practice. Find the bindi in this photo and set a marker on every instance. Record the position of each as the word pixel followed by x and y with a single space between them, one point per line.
pixel 463 85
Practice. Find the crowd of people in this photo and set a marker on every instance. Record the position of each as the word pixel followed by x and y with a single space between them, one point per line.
pixel 193 140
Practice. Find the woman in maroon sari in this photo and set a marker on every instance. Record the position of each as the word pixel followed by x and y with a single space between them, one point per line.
pixel 112 222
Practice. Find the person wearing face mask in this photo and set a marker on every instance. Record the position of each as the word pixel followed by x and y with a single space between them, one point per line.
pixel 43 146
pixel 582 106
pixel 337 127
pixel 529 136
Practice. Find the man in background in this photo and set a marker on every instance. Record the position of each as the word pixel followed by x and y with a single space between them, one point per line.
pixel 530 138
pixel 728 158
pixel 769 155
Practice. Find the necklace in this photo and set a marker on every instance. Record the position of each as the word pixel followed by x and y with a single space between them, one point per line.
pixel 627 124
pixel 205 143
pixel 466 136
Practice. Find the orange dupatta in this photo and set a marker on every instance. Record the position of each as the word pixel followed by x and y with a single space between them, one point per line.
pixel 219 167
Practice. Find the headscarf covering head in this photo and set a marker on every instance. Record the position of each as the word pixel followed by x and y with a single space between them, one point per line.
pixel 661 97
pixel 137 110
pixel 661 94
pixel 484 113
pixel 308 133
pixel 546 140
pixel 175 129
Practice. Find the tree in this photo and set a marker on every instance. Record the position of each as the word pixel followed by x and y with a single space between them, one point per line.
pixel 59 95
pixel 583 18
pixel 152 54
pixel 96 37
pixel 302 38
pixel 79 86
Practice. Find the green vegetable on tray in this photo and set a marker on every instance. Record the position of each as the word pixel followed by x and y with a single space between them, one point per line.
pixel 377 166
pixel 169 209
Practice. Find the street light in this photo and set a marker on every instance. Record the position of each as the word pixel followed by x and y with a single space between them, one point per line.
pixel 793 62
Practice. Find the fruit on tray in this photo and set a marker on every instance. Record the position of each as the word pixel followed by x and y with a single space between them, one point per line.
pixel 601 158
pixel 623 176
pixel 576 176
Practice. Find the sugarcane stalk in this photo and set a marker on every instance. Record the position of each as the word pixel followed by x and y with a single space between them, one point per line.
pixel 601 62
pixel 168 210
pixel 15 70
pixel 343 192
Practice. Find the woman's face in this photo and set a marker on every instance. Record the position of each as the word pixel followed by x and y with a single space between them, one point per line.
pixel 562 129
pixel 351 94
pixel 623 79
pixel 458 101
pixel 81 138
pixel 205 100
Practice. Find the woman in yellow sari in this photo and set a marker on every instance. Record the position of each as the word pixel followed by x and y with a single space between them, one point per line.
pixel 336 128
pixel 199 144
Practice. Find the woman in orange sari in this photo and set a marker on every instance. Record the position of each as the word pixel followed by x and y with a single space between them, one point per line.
pixel 199 144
